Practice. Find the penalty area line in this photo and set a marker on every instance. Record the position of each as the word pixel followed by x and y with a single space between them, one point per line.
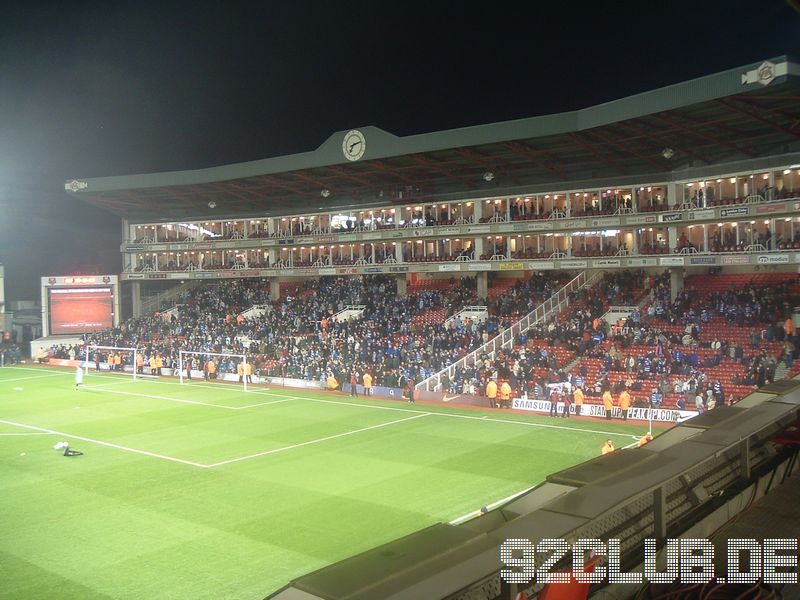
pixel 317 441
pixel 91 387
pixel 264 403
pixel 100 388
pixel 107 444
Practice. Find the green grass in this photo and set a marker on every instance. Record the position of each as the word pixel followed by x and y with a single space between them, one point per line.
pixel 331 477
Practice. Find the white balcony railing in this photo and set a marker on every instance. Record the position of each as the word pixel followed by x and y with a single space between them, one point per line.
pixel 505 339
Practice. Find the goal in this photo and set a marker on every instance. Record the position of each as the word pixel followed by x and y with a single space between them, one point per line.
pixel 203 357
pixel 98 355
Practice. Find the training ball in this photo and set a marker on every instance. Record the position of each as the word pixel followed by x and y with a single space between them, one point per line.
pixel 17 389
pixel 22 454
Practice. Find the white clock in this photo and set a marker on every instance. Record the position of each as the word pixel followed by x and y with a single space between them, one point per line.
pixel 354 144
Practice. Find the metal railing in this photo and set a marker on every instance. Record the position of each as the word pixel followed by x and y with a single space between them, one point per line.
pixel 255 311
pixel 505 339
pixel 621 309
pixel 172 311
pixel 354 309
pixel 469 312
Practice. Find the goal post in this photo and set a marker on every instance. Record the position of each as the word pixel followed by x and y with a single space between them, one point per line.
pixel 204 356
pixel 111 351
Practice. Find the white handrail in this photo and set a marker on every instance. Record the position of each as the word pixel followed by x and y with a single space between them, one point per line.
pixel 505 339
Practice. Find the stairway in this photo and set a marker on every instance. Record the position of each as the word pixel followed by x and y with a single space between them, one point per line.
pixel 505 339
pixel 781 370
pixel 151 304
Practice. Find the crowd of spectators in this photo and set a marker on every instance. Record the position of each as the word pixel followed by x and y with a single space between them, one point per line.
pixel 297 337
pixel 671 353
pixel 694 346
pixel 389 340
pixel 11 353
pixel 664 356
pixel 540 356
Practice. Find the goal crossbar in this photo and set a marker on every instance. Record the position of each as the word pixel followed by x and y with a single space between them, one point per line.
pixel 90 347
pixel 183 353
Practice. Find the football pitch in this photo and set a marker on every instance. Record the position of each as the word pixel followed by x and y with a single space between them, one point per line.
pixel 205 491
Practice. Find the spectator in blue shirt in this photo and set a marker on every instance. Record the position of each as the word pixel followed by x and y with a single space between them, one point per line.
pixel 655 398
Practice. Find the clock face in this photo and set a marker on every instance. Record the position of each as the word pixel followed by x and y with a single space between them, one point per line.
pixel 354 144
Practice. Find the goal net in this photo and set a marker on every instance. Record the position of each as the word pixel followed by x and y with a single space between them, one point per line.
pixel 114 359
pixel 214 365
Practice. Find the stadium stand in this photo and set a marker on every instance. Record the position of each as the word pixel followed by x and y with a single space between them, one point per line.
pixel 718 344
pixel 395 338
pixel 691 251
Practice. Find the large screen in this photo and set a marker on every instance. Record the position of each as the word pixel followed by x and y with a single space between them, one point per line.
pixel 80 309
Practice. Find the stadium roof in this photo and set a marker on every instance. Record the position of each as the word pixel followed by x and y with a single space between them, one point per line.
pixel 742 114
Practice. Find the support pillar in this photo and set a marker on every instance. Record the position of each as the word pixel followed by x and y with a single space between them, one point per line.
pixel 675 282
pixel 483 285
pixel 672 196
pixel 477 247
pixel 402 285
pixel 771 192
pixel 136 298
pixel 672 238
pixel 477 213
pixel 274 289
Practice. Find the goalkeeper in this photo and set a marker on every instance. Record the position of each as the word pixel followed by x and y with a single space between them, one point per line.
pixel 78 377
pixel 67 450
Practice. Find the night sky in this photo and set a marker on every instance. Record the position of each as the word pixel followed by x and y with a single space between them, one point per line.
pixel 90 90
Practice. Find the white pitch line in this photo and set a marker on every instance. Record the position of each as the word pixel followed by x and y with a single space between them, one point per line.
pixel 71 373
pixel 491 506
pixel 374 407
pixel 91 387
pixel 40 369
pixel 108 444
pixel 264 403
pixel 358 404
pixel 317 441
pixel 545 425
pixel 393 408
pixel 140 395
pixel 27 433
pixel 31 377
pixel 471 417
pixel 222 387
pixel 101 388
pixel 198 383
